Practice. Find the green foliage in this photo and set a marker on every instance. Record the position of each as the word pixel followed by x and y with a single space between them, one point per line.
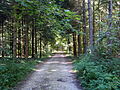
pixel 100 74
pixel 48 17
pixel 12 71
pixel 100 70
pixel 108 40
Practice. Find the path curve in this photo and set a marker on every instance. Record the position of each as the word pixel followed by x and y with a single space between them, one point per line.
pixel 55 74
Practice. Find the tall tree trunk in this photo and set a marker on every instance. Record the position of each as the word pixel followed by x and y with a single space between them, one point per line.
pixel 93 20
pixel 110 20
pixel 84 28
pixel 19 41
pixel 99 16
pixel 11 37
pixel 79 45
pixel 2 39
pixel 90 24
pixel 69 48
pixel 74 44
pixel 110 14
pixel 23 40
pixel 79 42
pixel 79 36
pixel 33 34
pixel 14 40
pixel 26 40
pixel 2 32
pixel 40 46
pixel 35 43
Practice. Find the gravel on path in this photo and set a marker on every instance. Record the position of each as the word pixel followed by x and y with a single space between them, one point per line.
pixel 54 74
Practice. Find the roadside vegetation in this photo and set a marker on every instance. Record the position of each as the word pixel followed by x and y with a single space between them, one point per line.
pixel 13 71
pixel 98 73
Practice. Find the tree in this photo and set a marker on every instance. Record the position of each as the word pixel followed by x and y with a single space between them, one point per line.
pixel 14 40
pixel 74 44
pixel 33 34
pixel 26 40
pixel 110 19
pixel 80 29
pixel 93 20
pixel 90 24
pixel 19 41
pixel 84 28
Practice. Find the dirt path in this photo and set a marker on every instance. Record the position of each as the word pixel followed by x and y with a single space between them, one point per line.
pixel 54 74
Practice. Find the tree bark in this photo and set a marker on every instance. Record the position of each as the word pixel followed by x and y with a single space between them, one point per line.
pixel 11 37
pixel 69 48
pixel 93 20
pixel 35 43
pixel 79 45
pixel 110 14
pixel 40 46
pixel 23 39
pixel 79 42
pixel 14 40
pixel 26 40
pixel 74 44
pixel 84 28
pixel 2 39
pixel 109 22
pixel 90 25
pixel 19 42
pixel 33 34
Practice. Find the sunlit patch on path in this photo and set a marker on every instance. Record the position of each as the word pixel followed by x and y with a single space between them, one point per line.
pixel 54 74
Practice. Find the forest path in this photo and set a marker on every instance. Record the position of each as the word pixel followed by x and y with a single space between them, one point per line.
pixel 55 74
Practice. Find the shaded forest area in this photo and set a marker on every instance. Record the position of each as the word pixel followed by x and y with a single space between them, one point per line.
pixel 87 29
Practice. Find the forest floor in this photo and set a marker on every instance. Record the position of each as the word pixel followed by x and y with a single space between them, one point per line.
pixel 54 74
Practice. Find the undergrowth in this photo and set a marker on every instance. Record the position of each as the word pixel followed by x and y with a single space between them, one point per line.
pixel 13 71
pixel 98 73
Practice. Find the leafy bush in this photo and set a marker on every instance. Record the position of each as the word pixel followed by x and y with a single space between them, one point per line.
pixel 12 71
pixel 102 74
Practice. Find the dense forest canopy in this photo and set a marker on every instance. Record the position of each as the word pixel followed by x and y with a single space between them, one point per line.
pixel 87 29
pixel 28 26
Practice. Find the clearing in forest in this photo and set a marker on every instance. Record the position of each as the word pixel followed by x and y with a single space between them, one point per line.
pixel 55 74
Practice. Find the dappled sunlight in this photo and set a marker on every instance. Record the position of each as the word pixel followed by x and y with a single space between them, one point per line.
pixel 54 40
pixel 38 70
pixel 2 64
pixel 52 62
pixel 66 62
pixel 58 62
pixel 72 71
pixel 54 70
pixel 59 55
pixel 39 61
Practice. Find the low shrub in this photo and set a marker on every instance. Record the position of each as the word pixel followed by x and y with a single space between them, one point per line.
pixel 12 71
pixel 101 74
